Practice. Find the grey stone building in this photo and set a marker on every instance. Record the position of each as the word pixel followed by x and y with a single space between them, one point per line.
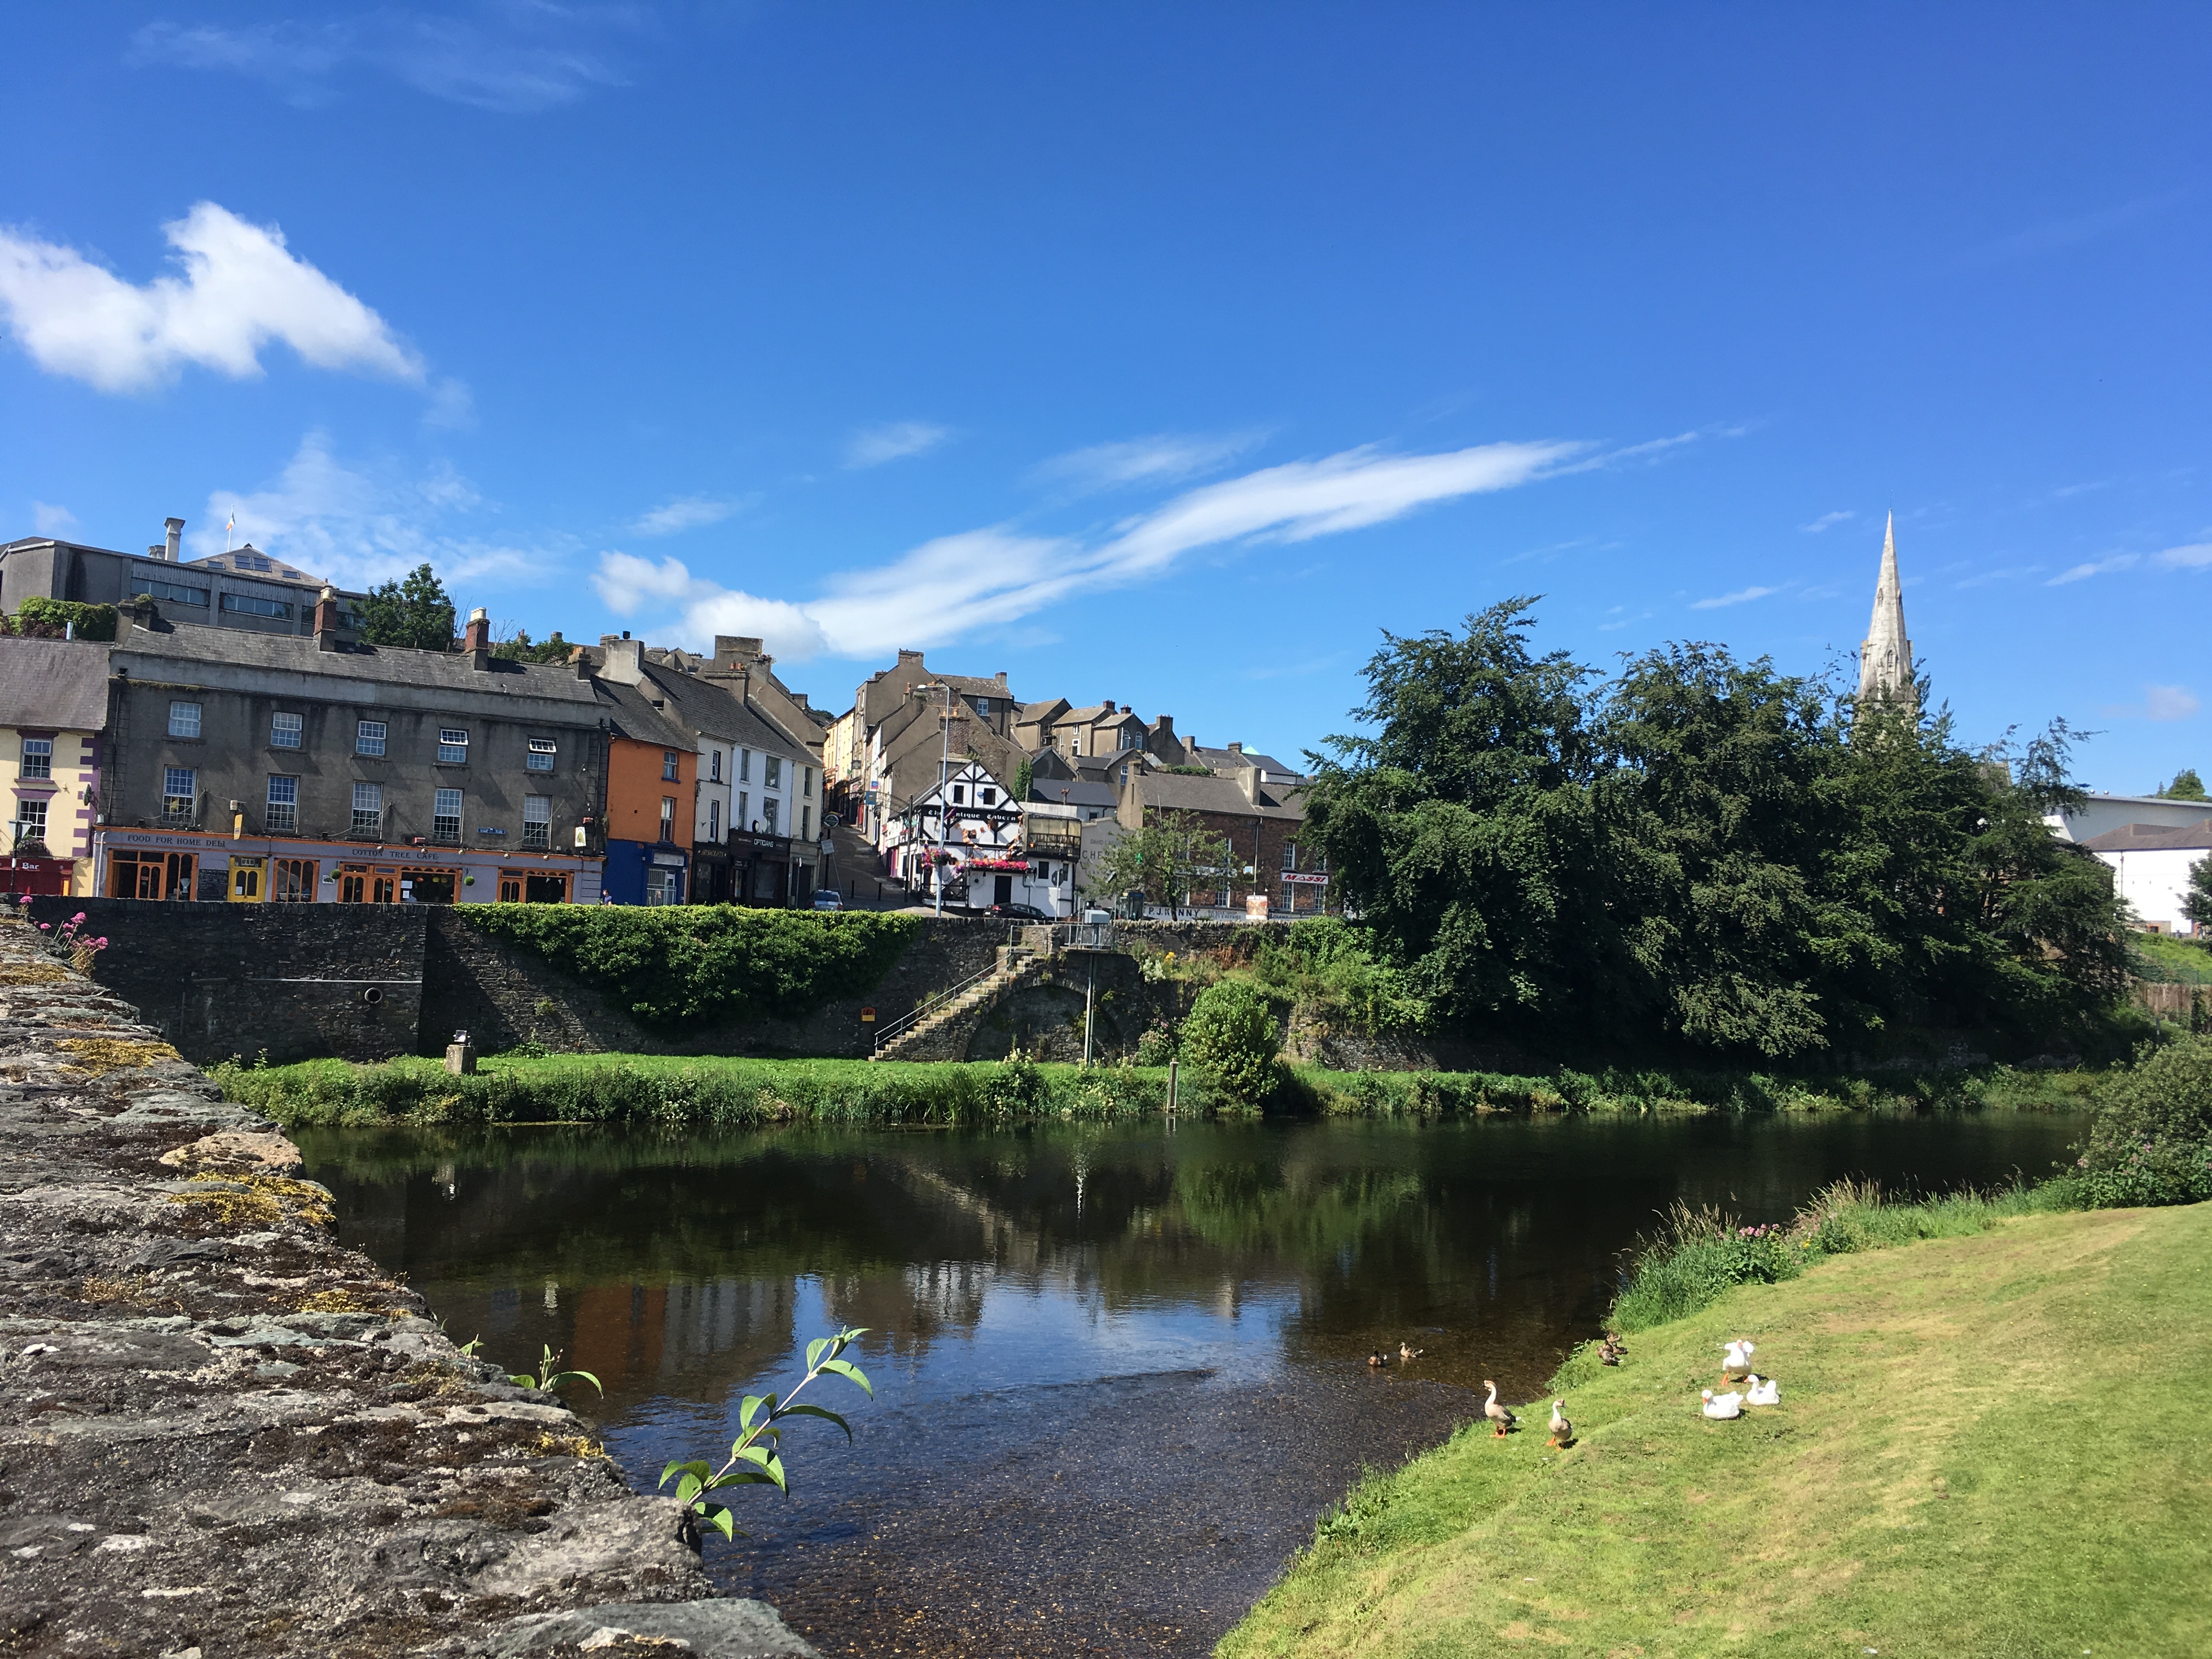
pixel 255 766
pixel 243 589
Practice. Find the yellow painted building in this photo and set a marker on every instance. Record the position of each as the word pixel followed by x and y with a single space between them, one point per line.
pixel 53 717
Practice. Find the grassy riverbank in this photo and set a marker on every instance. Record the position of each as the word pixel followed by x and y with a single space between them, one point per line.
pixel 673 1089
pixel 1986 1446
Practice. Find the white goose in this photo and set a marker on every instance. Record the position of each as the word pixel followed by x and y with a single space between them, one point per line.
pixel 1767 1392
pixel 1736 1357
pixel 1723 1406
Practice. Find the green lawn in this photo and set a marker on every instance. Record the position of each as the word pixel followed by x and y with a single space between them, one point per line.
pixel 2164 958
pixel 1987 1446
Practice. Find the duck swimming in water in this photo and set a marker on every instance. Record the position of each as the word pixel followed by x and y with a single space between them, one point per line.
pixel 1376 1359
pixel 1408 1351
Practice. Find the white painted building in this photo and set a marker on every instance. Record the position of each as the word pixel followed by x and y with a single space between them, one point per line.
pixel 968 834
pixel 2151 865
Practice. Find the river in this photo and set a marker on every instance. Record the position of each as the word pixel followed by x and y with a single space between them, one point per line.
pixel 1119 1370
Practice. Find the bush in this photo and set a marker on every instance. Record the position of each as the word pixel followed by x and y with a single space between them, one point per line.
pixel 1229 1037
pixel 2151 1141
pixel 50 618
pixel 710 964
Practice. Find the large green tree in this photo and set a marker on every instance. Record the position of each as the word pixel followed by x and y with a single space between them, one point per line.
pixel 1172 855
pixel 1702 851
pixel 415 613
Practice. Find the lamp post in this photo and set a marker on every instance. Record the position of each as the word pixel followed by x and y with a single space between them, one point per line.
pixel 944 766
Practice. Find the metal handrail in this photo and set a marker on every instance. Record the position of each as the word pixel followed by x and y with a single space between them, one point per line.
pixel 928 1006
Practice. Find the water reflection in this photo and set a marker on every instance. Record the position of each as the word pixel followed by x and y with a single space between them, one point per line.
pixel 1119 1368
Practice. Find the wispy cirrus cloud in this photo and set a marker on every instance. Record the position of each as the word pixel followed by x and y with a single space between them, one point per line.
pixel 1163 457
pixel 686 513
pixel 515 59
pixel 1742 596
pixel 49 519
pixel 2095 568
pixel 241 288
pixel 1826 521
pixel 976 579
pixel 2195 556
pixel 2160 703
pixel 893 441
pixel 356 524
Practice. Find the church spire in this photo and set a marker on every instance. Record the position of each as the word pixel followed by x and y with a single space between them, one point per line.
pixel 1885 659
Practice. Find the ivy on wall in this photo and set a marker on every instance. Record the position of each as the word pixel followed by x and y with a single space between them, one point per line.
pixel 712 964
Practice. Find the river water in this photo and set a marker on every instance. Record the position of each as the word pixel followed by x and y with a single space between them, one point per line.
pixel 1119 1370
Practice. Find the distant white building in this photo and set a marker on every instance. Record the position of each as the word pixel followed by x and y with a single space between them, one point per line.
pixel 2151 865
pixel 967 834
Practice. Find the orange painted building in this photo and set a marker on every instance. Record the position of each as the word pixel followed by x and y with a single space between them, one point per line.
pixel 652 775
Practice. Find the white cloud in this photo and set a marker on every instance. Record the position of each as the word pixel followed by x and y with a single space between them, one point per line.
pixel 52 520
pixel 2094 568
pixel 531 57
pixel 2169 703
pixel 2196 556
pixel 452 408
pixel 685 512
pixel 1164 457
pixel 1742 596
pixel 979 579
pixel 357 525
pixel 872 446
pixel 1826 521
pixel 241 289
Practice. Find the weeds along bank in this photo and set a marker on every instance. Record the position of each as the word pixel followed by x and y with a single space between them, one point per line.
pixel 674 1089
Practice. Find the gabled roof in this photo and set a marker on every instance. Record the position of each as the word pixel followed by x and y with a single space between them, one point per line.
pixel 1175 792
pixel 60 685
pixel 631 713
pixel 1078 791
pixel 1229 760
pixel 710 708
pixel 2152 838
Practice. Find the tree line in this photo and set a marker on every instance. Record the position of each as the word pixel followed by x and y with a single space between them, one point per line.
pixel 1703 851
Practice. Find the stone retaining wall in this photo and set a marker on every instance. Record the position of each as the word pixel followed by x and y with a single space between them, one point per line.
pixel 224 1434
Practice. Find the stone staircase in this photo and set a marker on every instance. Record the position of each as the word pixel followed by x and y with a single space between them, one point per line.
pixel 945 1031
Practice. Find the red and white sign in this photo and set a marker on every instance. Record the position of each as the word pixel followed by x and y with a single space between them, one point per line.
pixel 1304 878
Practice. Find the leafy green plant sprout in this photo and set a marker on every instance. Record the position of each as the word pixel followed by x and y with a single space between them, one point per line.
pixel 548 1379
pixel 755 1459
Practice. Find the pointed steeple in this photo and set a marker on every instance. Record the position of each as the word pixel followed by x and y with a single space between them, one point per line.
pixel 1885 659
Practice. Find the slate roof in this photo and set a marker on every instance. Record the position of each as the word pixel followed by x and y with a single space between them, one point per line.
pixel 1081 791
pixel 710 707
pixel 1178 792
pixel 1228 760
pixel 389 664
pixel 250 560
pixel 2152 838
pixel 57 683
pixel 631 713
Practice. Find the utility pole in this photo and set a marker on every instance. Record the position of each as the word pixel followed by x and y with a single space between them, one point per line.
pixel 944 766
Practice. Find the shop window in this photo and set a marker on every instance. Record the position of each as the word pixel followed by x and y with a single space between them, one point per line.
pixel 510 889
pixel 545 889
pixel 38 757
pixel 663 886
pixel 445 815
pixel 292 881
pixel 427 886
pixel 151 875
pixel 368 883
pixel 184 719
pixel 282 816
pixel 285 730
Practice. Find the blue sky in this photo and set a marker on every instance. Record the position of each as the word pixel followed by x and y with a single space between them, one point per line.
pixel 1159 354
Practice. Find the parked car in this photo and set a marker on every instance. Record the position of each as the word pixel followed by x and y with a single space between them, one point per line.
pixel 828 898
pixel 1020 912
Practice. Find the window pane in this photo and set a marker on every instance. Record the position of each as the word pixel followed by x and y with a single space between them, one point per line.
pixel 180 791
pixel 539 758
pixel 368 738
pixel 184 719
pixel 453 746
pixel 283 816
pixel 668 765
pixel 38 757
pixel 252 605
pixel 174 590
pixel 772 770
pixel 445 815
pixel 368 798
pixel 284 731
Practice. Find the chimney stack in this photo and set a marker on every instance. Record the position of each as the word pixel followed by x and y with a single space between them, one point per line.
pixel 326 619
pixel 176 536
pixel 625 660
pixel 476 639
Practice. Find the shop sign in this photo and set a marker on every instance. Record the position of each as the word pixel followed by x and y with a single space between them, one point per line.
pixel 1304 878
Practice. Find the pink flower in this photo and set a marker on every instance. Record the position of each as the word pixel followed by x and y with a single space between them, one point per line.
pixel 103 941
pixel 46 926
pixel 79 916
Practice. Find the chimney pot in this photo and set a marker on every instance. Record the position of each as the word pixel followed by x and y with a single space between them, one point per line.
pixel 476 639
pixel 176 535
pixel 326 619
